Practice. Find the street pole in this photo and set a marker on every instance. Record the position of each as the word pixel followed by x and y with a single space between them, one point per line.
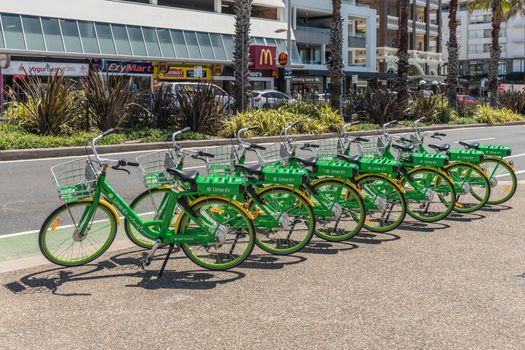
pixel 289 46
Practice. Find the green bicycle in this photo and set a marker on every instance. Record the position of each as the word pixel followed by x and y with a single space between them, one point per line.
pixel 283 216
pixel 471 182
pixel 214 231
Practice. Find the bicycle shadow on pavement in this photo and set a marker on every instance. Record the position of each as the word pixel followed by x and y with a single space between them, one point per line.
pixel 272 262
pixel 328 248
pixel 123 265
pixel 464 217
pixel 425 227
pixel 369 237
pixel 496 208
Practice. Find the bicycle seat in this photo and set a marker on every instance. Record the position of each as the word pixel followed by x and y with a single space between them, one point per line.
pixel 473 145
pixel 250 169
pixel 307 161
pixel 350 159
pixel 440 148
pixel 185 176
pixel 404 148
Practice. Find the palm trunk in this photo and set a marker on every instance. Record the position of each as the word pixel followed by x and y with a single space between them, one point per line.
pixel 453 53
pixel 243 11
pixel 335 62
pixel 495 53
pixel 402 52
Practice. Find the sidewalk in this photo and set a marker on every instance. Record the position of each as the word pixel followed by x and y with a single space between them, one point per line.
pixel 456 284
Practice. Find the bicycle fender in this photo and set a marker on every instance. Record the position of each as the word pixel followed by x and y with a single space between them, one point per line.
pixel 475 166
pixel 108 205
pixel 386 177
pixel 439 171
pixel 496 159
pixel 349 183
pixel 288 187
pixel 233 201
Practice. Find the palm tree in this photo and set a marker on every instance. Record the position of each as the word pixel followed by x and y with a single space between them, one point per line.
pixel 402 52
pixel 501 10
pixel 453 53
pixel 243 11
pixel 335 61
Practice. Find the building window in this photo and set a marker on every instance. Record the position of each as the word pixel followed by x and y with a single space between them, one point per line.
pixel 475 48
pixel 475 68
pixel 518 65
pixel 475 19
pixel 476 34
pixel 310 55
pixel 502 68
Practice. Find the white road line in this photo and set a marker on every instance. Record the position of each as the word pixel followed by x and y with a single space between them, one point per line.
pixel 515 156
pixel 19 234
pixel 486 139
pixel 517 173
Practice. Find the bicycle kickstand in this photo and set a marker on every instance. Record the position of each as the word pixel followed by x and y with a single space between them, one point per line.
pixel 147 260
pixel 170 250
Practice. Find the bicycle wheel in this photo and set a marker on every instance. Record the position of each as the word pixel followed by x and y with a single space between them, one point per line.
pixel 61 240
pixel 148 205
pixel 502 179
pixel 385 203
pixel 430 194
pixel 339 210
pixel 232 227
pixel 472 187
pixel 284 220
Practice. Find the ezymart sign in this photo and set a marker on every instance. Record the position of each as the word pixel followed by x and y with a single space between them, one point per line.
pixel 46 68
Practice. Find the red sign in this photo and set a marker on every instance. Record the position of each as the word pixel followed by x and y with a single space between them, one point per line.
pixel 283 59
pixel 263 57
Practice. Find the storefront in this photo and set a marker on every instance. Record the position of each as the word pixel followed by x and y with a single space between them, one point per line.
pixel 140 72
pixel 306 86
pixel 19 68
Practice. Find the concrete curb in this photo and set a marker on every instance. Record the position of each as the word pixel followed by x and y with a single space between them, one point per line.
pixel 38 153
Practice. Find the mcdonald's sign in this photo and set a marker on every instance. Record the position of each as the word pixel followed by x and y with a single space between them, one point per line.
pixel 263 57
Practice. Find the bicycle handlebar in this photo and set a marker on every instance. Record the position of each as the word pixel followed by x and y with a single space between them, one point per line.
pixel 287 137
pixel 175 134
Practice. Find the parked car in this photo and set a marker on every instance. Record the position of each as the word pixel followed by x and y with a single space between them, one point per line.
pixel 467 100
pixel 174 87
pixel 268 98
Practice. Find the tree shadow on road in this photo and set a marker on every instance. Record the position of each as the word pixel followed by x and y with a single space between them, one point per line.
pixel 123 265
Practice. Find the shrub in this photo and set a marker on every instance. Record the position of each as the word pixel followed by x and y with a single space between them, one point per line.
pixel 381 106
pixel 199 108
pixel 50 108
pixel 108 99
pixel 513 100
pixel 467 110
pixel 445 113
pixel 425 106
pixel 489 115
pixel 272 122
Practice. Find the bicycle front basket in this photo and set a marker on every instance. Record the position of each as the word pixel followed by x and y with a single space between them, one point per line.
pixel 75 179
pixel 153 168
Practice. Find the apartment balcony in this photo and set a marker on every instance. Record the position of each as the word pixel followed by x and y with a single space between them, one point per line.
pixel 357 40
pixel 421 27
pixel 418 59
pixel 312 35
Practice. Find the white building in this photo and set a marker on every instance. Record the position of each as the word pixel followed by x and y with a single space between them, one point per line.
pixel 163 39
pixel 474 40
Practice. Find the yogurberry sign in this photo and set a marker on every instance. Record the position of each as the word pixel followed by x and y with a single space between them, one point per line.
pixel 46 68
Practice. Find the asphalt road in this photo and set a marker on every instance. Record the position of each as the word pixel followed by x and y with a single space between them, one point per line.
pixel 28 195
pixel 457 284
